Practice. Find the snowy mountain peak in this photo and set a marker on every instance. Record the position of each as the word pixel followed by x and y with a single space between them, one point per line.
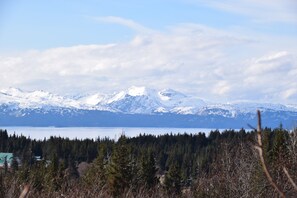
pixel 11 91
pixel 92 100
pixel 137 91
pixel 170 94
pixel 119 96
pixel 35 99
pixel 15 92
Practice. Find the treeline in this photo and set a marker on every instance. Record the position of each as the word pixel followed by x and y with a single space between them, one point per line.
pixel 185 165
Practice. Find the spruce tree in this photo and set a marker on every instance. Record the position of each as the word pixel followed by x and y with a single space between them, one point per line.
pixel 71 170
pixel 279 145
pixel 120 168
pixel 95 176
pixel 148 170
pixel 173 179
pixel 53 174
pixel 5 165
pixel 14 165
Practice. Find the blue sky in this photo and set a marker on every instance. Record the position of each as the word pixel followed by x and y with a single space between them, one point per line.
pixel 39 25
pixel 218 50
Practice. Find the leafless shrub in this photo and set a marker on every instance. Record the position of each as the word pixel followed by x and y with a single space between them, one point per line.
pixel 231 173
pixel 259 148
pixel 292 145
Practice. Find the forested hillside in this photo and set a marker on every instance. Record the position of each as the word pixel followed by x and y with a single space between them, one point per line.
pixel 222 164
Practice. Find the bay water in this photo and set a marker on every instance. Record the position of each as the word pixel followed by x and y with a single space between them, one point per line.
pixel 95 132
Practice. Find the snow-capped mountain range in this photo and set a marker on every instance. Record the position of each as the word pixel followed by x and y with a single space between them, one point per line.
pixel 134 101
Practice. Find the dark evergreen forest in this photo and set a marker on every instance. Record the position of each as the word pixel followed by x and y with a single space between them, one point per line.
pixel 223 164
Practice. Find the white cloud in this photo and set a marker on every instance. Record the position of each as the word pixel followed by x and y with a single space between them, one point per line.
pixel 221 88
pixel 290 93
pixel 277 62
pixel 258 11
pixel 124 22
pixel 188 57
pixel 271 76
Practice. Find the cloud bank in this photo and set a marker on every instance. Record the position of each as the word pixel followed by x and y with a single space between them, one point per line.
pixel 195 59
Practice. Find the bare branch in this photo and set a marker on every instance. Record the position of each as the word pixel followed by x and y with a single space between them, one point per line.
pixel 259 148
pixel 259 131
pixel 290 178
pixel 251 127
pixel 25 191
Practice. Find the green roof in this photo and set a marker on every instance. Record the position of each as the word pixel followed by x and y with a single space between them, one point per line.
pixel 8 157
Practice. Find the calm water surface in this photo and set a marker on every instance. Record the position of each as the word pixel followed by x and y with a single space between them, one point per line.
pixel 95 132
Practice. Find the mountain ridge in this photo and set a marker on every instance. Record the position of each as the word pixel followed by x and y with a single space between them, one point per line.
pixel 133 104
pixel 153 100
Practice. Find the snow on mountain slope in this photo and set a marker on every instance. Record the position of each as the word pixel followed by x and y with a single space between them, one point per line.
pixel 169 95
pixel 177 102
pixel 93 102
pixel 135 100
pixel 234 109
pixel 35 99
pixel 138 91
pixel 245 107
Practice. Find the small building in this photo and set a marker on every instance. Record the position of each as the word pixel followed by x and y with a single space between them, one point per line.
pixel 38 158
pixel 5 156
